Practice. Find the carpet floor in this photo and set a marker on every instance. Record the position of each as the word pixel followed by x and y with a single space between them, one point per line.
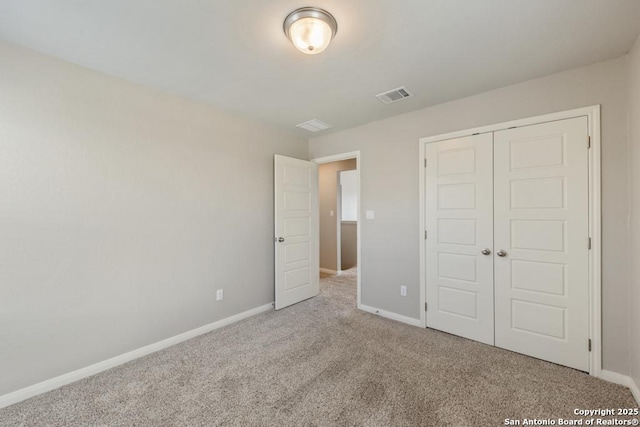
pixel 322 363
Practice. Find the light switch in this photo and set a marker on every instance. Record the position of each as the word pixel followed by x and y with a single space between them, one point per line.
pixel 370 215
pixel 330 213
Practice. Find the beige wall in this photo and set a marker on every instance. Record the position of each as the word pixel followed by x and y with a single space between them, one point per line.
pixel 389 184
pixel 634 163
pixel 122 210
pixel 348 244
pixel 328 187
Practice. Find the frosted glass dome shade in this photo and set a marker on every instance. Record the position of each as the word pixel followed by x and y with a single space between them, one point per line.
pixel 310 30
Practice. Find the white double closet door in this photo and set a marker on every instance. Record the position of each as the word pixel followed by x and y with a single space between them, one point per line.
pixel 507 243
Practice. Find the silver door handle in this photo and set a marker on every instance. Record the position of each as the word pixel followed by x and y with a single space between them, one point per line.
pixel 280 239
pixel 486 251
pixel 501 253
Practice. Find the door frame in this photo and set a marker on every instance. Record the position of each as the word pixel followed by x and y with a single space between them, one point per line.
pixel 337 158
pixel 338 223
pixel 595 220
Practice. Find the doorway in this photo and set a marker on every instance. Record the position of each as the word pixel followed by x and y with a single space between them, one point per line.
pixel 339 216
pixel 347 214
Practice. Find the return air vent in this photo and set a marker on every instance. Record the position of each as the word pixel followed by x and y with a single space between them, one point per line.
pixel 314 125
pixel 394 95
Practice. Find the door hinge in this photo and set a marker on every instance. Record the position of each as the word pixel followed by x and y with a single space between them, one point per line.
pixel 425 162
pixel 425 234
pixel 589 243
pixel 589 344
pixel 588 142
pixel 425 306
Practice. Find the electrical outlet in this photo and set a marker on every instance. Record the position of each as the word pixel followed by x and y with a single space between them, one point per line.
pixel 403 291
pixel 219 295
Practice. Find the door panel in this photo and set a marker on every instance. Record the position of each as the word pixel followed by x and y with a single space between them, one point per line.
pixel 459 221
pixel 541 222
pixel 296 224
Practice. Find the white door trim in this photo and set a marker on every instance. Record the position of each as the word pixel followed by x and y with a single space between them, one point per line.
pixel 339 223
pixel 595 221
pixel 337 158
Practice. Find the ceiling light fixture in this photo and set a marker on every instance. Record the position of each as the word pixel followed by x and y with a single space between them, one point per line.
pixel 310 29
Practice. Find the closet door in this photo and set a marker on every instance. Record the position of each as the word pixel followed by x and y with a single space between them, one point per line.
pixel 541 241
pixel 459 225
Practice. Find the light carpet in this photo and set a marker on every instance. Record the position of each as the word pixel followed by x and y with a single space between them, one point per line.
pixel 321 363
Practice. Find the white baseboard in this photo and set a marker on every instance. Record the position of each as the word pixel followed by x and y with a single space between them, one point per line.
pixel 331 272
pixel 633 386
pixel 390 315
pixel 624 380
pixel 59 381
pixel 614 377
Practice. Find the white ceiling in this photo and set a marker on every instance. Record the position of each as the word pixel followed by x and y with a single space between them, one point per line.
pixel 234 55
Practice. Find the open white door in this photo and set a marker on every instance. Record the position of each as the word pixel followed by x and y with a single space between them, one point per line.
pixel 296 230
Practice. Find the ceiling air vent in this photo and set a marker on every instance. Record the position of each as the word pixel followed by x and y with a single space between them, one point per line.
pixel 394 95
pixel 314 125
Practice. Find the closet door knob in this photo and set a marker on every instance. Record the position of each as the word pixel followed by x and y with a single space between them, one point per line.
pixel 501 253
pixel 486 251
